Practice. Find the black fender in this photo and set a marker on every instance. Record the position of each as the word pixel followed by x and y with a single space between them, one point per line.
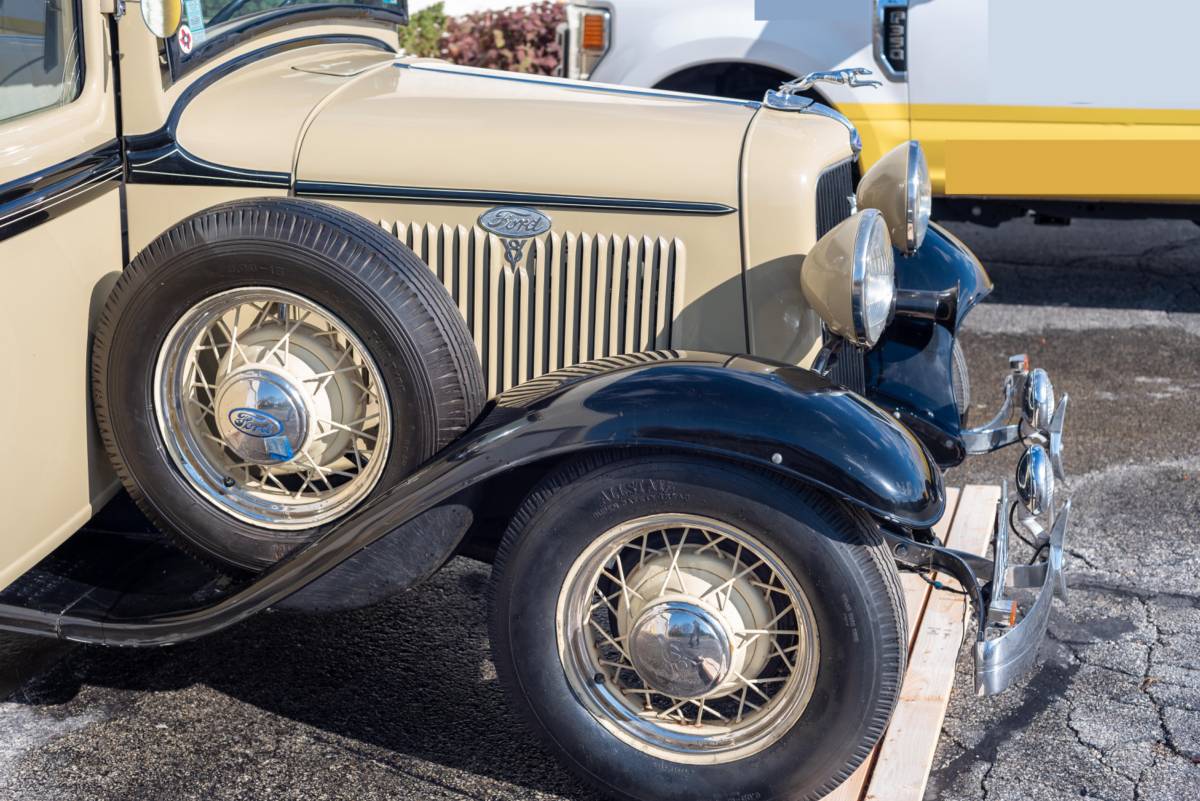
pixel 771 415
pixel 774 416
pixel 908 372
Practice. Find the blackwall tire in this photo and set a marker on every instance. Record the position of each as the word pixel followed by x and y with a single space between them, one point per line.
pixel 834 556
pixel 353 327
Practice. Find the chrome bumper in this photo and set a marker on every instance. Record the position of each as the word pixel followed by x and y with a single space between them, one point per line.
pixel 1012 608
pixel 1005 648
pixel 1007 641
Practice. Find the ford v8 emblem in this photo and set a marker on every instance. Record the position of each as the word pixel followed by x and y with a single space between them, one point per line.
pixel 255 423
pixel 514 222
pixel 514 225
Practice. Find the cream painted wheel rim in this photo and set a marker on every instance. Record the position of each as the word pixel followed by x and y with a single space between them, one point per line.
pixel 271 408
pixel 687 638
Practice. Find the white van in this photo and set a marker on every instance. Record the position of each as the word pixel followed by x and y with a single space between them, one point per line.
pixel 1069 107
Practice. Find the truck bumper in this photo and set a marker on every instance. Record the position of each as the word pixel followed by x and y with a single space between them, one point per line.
pixel 1011 627
pixel 1002 655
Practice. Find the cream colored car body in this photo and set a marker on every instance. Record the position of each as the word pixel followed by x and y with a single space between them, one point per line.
pixel 678 221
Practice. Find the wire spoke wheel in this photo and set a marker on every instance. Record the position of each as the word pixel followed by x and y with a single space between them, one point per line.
pixel 688 638
pixel 271 408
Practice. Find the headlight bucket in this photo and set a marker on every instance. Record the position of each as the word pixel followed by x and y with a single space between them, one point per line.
pixel 849 278
pixel 898 185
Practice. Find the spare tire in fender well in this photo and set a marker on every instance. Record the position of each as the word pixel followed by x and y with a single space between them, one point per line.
pixel 378 317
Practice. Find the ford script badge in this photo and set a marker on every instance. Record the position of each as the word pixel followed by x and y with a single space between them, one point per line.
pixel 254 422
pixel 514 222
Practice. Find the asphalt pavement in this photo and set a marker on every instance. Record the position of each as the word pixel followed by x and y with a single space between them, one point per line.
pixel 401 700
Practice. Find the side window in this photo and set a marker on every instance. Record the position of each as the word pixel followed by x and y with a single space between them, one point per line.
pixel 39 55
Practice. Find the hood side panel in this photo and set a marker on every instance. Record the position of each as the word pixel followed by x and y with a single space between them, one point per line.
pixel 427 124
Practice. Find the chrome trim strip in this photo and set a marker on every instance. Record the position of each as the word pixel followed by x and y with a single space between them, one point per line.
pixel 492 197
pixel 492 75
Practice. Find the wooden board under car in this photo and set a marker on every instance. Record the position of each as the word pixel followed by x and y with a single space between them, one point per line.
pixel 898 768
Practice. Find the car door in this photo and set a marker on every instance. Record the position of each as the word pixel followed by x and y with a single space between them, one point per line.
pixel 1075 99
pixel 60 250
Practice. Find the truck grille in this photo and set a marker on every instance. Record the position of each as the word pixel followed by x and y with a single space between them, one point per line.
pixel 572 297
pixel 835 187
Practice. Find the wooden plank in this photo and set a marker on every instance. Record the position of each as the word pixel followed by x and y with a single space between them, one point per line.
pixel 916 594
pixel 906 753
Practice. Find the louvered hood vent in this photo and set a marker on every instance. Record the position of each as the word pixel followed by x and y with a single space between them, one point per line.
pixel 572 297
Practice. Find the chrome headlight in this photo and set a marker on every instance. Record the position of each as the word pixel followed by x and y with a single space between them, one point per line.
pixel 1035 480
pixel 898 185
pixel 1037 404
pixel 849 278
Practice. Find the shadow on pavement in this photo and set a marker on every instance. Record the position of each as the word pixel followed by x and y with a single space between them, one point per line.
pixel 1110 264
pixel 411 677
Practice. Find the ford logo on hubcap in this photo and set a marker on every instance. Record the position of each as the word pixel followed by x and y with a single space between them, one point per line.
pixel 514 222
pixel 254 422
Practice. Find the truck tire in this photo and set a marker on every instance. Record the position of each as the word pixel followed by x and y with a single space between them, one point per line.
pixel 677 628
pixel 266 366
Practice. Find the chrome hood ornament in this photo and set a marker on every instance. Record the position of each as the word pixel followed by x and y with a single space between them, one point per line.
pixel 788 97
pixel 851 77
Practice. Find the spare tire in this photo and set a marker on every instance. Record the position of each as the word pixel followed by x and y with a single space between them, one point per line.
pixel 268 365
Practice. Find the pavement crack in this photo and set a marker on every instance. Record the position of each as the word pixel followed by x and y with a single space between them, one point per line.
pixel 1167 741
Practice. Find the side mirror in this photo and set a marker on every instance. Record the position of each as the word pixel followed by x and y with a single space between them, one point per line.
pixel 162 17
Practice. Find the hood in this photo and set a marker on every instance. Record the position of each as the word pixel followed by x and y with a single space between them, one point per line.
pixel 423 124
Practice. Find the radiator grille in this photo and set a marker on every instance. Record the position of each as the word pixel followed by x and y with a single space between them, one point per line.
pixel 835 187
pixel 849 368
pixel 573 297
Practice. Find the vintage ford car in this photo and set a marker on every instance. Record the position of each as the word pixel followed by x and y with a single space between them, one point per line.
pixel 331 316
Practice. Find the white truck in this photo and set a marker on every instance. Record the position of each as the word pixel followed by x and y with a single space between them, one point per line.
pixel 1070 108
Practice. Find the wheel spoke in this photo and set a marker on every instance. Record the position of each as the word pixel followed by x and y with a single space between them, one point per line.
pixel 686 566
pixel 263 328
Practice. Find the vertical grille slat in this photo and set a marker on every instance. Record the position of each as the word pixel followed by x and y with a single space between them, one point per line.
pixel 835 187
pixel 575 296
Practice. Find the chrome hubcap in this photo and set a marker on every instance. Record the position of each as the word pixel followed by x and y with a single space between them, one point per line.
pixel 687 638
pixel 272 408
pixel 262 415
pixel 680 649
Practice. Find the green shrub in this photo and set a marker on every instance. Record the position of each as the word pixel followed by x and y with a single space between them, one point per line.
pixel 422 36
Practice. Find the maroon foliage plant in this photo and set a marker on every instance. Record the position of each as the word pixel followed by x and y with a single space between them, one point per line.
pixel 517 39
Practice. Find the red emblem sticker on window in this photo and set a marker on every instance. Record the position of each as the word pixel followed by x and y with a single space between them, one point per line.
pixel 186 40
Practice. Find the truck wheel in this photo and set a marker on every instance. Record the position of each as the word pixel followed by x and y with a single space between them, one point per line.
pixel 677 629
pixel 266 366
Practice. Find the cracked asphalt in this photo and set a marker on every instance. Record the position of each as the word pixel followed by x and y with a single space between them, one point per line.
pixel 401 701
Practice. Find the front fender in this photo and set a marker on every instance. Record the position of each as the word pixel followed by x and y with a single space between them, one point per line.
pixel 909 370
pixel 775 416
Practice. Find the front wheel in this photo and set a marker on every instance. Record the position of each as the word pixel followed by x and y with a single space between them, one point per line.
pixel 681 629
